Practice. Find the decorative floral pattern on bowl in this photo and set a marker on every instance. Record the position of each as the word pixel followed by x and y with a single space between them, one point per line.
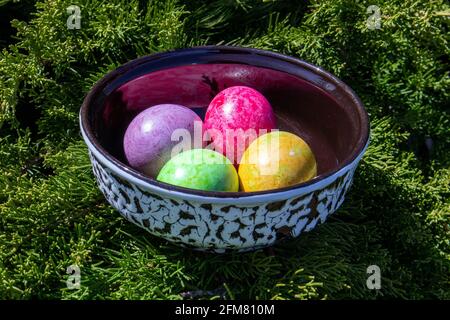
pixel 220 227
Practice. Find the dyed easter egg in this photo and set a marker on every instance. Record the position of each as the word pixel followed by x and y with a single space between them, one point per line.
pixel 235 117
pixel 275 160
pixel 148 140
pixel 201 169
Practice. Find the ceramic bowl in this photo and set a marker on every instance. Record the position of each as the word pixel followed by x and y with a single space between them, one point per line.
pixel 307 101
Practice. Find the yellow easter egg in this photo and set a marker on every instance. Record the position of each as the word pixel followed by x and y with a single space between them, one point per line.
pixel 275 160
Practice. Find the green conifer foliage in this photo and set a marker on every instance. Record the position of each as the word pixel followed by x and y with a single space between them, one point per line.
pixel 396 216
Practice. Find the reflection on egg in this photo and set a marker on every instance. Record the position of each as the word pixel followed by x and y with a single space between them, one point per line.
pixel 275 160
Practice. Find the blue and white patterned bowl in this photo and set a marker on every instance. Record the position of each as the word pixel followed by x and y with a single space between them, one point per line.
pixel 307 100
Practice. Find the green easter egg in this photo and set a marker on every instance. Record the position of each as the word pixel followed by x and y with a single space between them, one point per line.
pixel 200 169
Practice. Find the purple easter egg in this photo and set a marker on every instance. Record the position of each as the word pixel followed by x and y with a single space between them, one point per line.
pixel 150 138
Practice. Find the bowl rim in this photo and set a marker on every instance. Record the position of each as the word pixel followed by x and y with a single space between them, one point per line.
pixel 146 182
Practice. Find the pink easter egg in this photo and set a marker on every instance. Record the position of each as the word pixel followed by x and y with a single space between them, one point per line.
pixel 235 117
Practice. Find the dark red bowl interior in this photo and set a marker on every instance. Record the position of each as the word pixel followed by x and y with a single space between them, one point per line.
pixel 307 100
